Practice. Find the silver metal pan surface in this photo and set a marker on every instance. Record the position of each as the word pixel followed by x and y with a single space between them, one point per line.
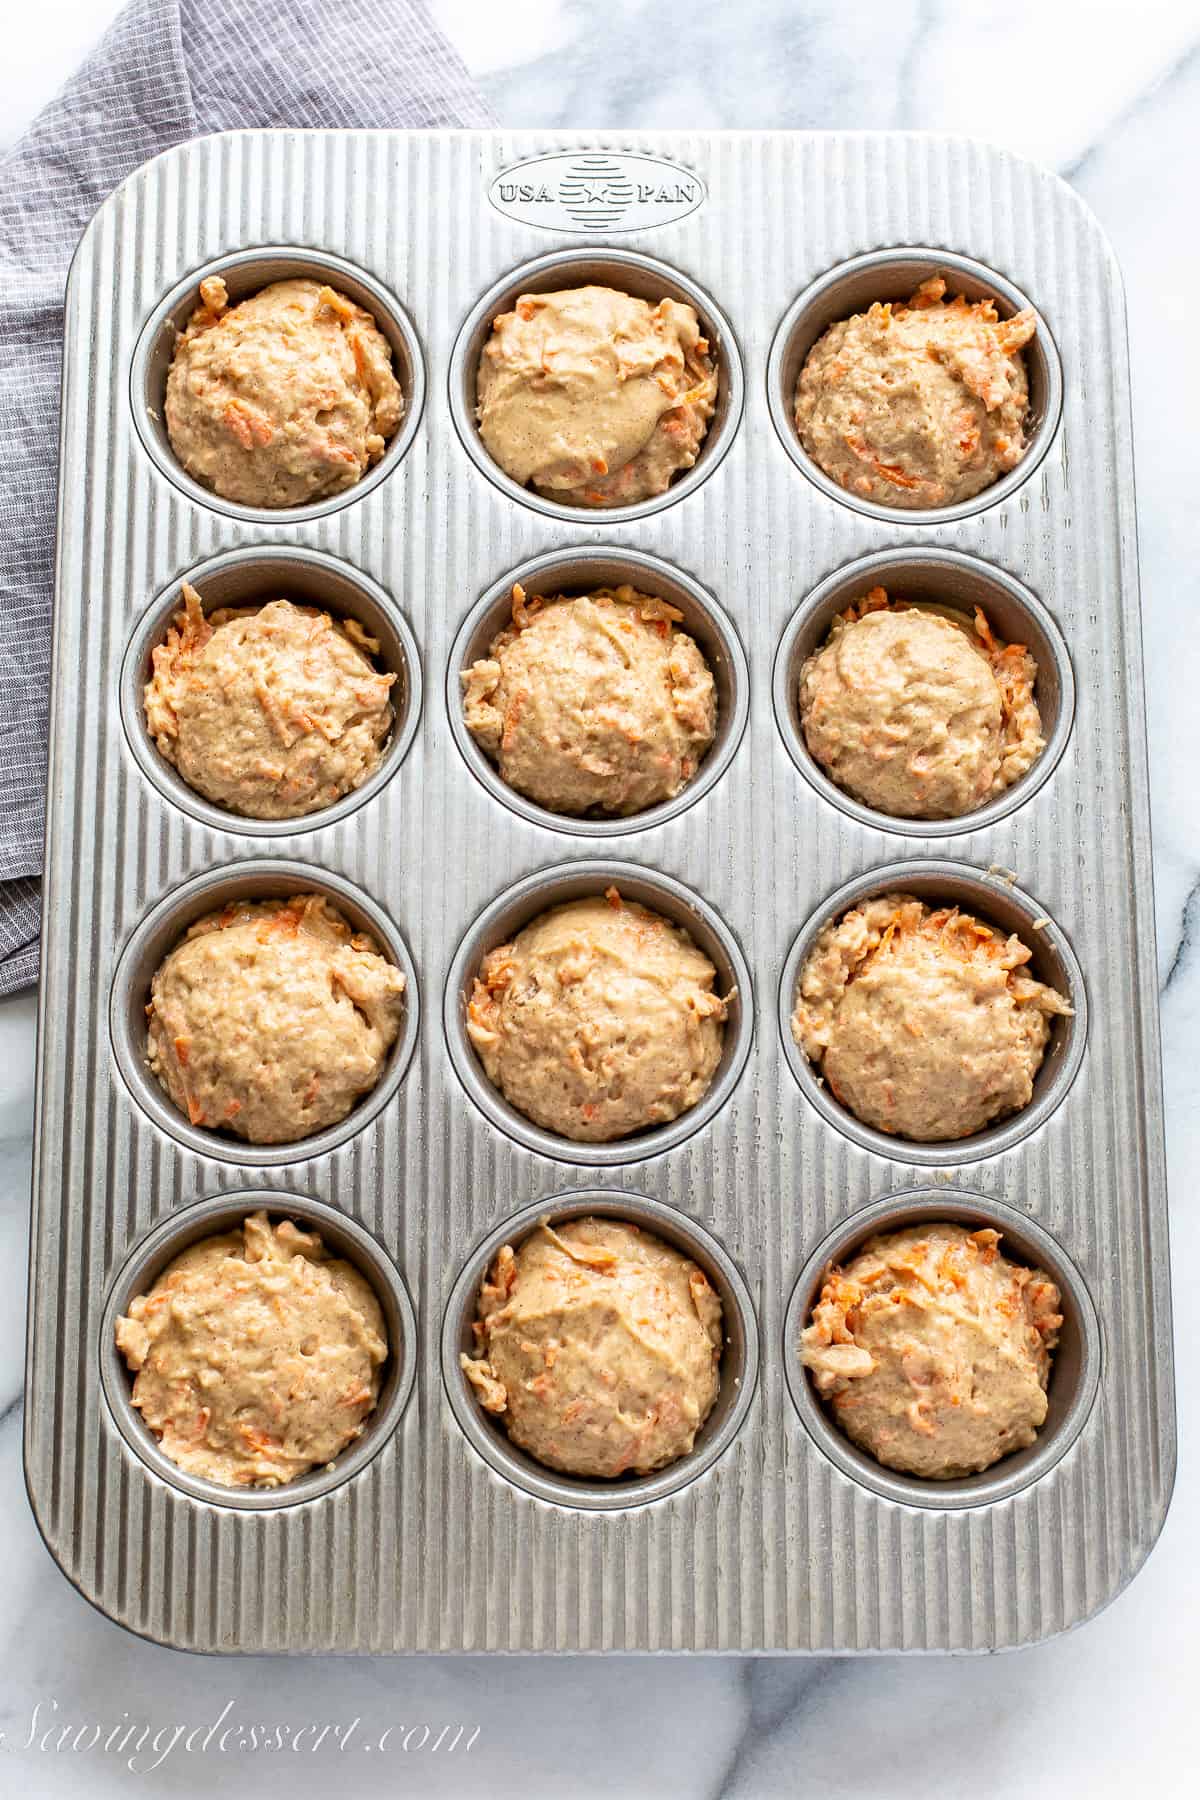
pixel 777 1536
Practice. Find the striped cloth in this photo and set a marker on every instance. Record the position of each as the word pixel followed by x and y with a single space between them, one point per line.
pixel 168 70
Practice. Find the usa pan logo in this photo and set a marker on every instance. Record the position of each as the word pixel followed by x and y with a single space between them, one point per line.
pixel 596 190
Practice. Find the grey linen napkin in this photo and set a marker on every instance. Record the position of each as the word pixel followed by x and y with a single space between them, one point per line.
pixel 167 70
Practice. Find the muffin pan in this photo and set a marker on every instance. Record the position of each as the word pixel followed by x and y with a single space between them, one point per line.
pixel 434 1532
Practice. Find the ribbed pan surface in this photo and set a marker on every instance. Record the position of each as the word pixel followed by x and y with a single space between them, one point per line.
pixel 772 1548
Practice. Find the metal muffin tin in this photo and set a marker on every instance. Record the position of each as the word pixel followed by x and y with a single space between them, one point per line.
pixel 433 1533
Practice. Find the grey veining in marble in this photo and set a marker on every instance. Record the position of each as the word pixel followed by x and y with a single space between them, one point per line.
pixel 1107 1711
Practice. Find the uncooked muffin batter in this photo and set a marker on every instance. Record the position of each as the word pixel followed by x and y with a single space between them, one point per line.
pixel 272 712
pixel 923 1021
pixel 919 405
pixel 285 398
pixel 594 397
pixel 256 1357
pixel 918 713
pixel 600 1348
pixel 594 703
pixel 599 1019
pixel 933 1349
pixel 272 1018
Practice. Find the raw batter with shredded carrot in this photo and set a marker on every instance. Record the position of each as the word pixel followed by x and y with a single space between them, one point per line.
pixel 284 398
pixel 599 1019
pixel 599 1347
pixel 256 1355
pixel 919 712
pixel 272 1018
pixel 593 703
pixel 933 1350
pixel 594 397
pixel 272 711
pixel 917 405
pixel 923 1020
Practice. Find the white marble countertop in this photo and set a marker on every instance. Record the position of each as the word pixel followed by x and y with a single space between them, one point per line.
pixel 1110 97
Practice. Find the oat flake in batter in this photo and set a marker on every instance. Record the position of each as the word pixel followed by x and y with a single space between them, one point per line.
pixel 256 1356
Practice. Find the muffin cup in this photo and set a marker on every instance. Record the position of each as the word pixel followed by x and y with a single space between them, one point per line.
pixel 246 272
pixel 851 288
pixel 1074 1373
pixel 580 571
pixel 940 578
pixel 998 903
pixel 341 1235
pixel 630 273
pixel 164 927
pixel 536 894
pixel 252 577
pixel 739 1362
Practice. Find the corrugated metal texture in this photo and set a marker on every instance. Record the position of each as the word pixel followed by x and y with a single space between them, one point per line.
pixel 772 1549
